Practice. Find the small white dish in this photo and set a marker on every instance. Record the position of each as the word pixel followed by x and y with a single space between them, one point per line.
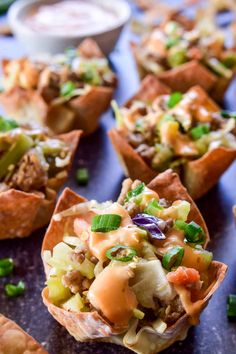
pixel 37 43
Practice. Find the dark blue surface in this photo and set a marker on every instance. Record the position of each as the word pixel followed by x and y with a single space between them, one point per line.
pixel 215 334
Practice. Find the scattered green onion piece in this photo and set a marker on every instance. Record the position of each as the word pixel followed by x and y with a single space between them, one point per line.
pixel 231 306
pixel 67 88
pixel 199 131
pixel 105 222
pixel 173 257
pixel 6 266
pixel 193 232
pixel 113 253
pixel 171 42
pixel 153 207
pixel 13 290
pixel 226 114
pixel 82 176
pixel 7 124
pixel 174 99
pixel 134 192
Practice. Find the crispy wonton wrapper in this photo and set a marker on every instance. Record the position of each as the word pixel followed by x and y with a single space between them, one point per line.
pixel 82 112
pixel 86 326
pixel 199 175
pixel 21 213
pixel 13 340
pixel 187 75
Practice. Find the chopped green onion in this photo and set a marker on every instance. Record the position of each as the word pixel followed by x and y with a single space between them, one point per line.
pixel 13 290
pixel 173 257
pixel 82 176
pixel 174 99
pixel 219 68
pixel 231 306
pixel 14 154
pixel 171 42
pixel 226 114
pixel 6 266
pixel 199 131
pixel 67 88
pixel 134 192
pixel 121 253
pixel 117 113
pixel 153 207
pixel 176 56
pixel 193 232
pixel 105 222
pixel 7 124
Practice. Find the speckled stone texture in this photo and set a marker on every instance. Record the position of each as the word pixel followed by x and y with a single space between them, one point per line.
pixel 215 334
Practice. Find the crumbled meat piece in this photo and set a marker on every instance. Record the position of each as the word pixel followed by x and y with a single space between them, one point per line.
pixel 173 311
pixel 164 203
pixel 147 152
pixel 49 83
pixel 94 260
pixel 3 187
pixel 132 208
pixel 136 139
pixel 169 224
pixel 31 174
pixel 77 257
pixel 73 280
pixel 86 283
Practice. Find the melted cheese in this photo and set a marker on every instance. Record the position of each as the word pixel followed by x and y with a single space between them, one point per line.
pixel 110 293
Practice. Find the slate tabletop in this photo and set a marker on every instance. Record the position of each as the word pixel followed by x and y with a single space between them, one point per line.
pixel 215 334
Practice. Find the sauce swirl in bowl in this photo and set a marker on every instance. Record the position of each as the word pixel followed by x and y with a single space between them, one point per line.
pixel 70 17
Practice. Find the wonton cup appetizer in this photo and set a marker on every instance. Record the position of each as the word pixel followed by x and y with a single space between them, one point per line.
pixel 183 54
pixel 134 272
pixel 187 132
pixel 13 340
pixel 65 92
pixel 33 167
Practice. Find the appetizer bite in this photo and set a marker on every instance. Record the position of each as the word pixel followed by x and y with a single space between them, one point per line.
pixel 14 340
pixel 157 130
pixel 182 53
pixel 63 92
pixel 133 272
pixel 33 167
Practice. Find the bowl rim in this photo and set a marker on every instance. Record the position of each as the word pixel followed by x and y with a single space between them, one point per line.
pixel 19 6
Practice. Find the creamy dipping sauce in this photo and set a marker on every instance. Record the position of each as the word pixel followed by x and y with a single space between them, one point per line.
pixel 73 17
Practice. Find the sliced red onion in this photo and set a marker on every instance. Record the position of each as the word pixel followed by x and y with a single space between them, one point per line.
pixel 151 224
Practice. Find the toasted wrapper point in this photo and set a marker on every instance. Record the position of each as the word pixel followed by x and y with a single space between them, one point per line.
pixel 149 89
pixel 22 105
pixel 202 174
pixel 14 340
pixel 234 211
pixel 89 49
pixel 187 75
pixel 22 213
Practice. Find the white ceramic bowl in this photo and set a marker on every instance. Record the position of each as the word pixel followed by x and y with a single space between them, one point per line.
pixel 36 43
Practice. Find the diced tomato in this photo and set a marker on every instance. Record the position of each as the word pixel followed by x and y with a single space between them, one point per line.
pixel 80 225
pixel 183 276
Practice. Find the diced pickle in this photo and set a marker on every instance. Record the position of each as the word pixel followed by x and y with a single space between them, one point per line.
pixel 57 292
